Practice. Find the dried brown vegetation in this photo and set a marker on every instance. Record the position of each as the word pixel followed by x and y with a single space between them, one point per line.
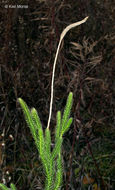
pixel 86 66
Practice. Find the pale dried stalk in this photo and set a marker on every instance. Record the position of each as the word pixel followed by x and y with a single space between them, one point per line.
pixel 56 56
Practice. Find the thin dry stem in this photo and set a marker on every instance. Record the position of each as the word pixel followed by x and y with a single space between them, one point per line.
pixel 54 65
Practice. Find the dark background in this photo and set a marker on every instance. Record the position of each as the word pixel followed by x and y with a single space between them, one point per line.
pixel 86 66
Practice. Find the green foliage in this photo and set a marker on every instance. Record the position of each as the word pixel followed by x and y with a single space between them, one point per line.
pixel 59 173
pixel 12 186
pixel 58 126
pixel 3 187
pixel 65 119
pixel 52 161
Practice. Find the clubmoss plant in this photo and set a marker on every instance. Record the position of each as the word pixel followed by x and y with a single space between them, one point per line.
pixel 51 160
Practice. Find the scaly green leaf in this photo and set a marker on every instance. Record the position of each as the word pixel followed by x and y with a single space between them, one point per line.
pixel 58 126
